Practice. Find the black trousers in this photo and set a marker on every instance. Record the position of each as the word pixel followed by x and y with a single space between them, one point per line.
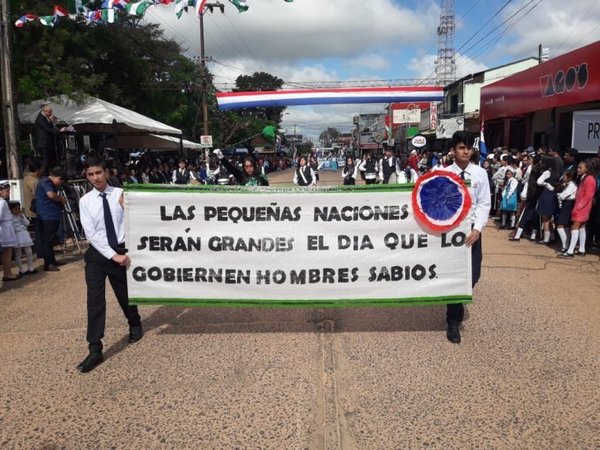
pixel 97 268
pixel 49 230
pixel 456 312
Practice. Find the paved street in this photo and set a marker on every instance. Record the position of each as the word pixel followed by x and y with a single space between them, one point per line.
pixel 525 375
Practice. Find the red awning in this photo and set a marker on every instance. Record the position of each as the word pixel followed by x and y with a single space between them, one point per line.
pixel 567 80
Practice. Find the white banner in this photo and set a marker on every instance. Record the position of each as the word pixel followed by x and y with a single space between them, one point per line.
pixel 447 127
pixel 407 116
pixel 586 131
pixel 289 246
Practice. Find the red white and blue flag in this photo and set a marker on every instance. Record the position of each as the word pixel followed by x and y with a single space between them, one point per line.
pixel 24 19
pixel 270 99
pixel 481 144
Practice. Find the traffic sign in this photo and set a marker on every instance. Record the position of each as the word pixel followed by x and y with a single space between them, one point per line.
pixel 206 141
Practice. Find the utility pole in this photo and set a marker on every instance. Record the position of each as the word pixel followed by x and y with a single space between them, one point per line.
pixel 8 106
pixel 207 7
pixel 204 78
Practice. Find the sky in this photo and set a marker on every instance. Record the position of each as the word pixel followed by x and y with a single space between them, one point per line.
pixel 309 43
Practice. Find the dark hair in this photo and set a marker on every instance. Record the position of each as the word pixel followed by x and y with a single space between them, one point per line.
pixel 464 137
pixel 59 172
pixel 572 151
pixel 34 166
pixel 251 160
pixel 93 161
pixel 13 205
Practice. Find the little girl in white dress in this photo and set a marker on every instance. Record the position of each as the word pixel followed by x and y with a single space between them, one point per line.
pixel 24 242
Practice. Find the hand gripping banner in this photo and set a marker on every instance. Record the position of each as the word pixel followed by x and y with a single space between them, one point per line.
pixel 345 246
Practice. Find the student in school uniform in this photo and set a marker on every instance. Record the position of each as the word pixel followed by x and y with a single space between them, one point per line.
pixel 462 146
pixel 349 172
pixel 566 201
pixel 103 219
pixel 304 175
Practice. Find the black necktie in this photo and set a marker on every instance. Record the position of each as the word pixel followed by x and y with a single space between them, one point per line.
pixel 111 234
pixel 462 174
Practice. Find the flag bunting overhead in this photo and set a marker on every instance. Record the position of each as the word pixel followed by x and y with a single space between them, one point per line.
pixel 108 11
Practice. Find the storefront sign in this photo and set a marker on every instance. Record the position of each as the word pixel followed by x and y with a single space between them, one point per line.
pixel 447 127
pixel 586 131
pixel 567 80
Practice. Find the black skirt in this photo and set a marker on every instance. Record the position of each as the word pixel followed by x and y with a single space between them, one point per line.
pixel 564 215
pixel 547 203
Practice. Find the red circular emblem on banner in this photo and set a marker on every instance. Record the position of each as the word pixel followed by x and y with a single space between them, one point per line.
pixel 440 201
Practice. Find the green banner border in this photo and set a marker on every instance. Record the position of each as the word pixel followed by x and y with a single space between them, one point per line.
pixel 335 303
pixel 216 189
pixel 286 303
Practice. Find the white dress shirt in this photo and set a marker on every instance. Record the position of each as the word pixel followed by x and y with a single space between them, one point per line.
pixel 91 214
pixel 480 193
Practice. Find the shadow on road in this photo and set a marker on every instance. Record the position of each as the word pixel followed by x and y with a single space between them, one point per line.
pixel 174 320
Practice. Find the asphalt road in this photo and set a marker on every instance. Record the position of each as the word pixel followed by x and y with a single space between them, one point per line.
pixel 525 375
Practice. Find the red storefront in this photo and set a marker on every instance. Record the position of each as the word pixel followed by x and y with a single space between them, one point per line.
pixel 535 107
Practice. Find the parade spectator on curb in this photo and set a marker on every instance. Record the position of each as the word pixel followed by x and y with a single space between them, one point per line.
pixel 413 160
pixel 570 162
pixel 547 203
pixel 31 179
pixel 349 172
pixel 102 218
pixel 250 175
pixel 133 177
pixel 566 201
pixel 182 175
pixel 370 168
pixel 8 239
pixel 462 145
pixel 508 205
pixel 304 175
pixel 582 208
pixel 529 218
pixel 49 205
pixel 24 242
pixel 594 222
pixel 498 180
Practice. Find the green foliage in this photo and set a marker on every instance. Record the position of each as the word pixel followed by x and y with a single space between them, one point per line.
pixel 132 65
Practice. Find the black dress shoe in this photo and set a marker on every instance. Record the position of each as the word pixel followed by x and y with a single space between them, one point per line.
pixel 135 333
pixel 90 362
pixel 452 333
pixel 51 268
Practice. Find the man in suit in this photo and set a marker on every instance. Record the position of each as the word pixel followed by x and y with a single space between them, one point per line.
pixel 45 137
pixel 103 219
pixel 462 146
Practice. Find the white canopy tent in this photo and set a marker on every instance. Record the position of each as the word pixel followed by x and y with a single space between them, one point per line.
pixel 93 115
pixel 149 141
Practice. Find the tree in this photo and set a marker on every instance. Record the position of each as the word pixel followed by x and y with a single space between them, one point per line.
pixel 328 136
pixel 260 81
pixel 126 63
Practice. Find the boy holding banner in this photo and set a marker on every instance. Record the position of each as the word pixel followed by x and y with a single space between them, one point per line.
pixel 462 146
pixel 103 220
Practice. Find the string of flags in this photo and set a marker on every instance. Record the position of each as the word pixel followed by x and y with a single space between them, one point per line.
pixel 96 12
